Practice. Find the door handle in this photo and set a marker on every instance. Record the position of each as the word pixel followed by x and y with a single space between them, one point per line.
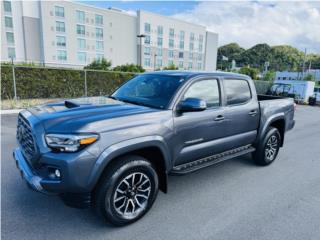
pixel 219 118
pixel 253 112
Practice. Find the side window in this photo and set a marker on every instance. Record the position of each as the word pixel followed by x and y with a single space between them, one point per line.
pixel 207 90
pixel 237 91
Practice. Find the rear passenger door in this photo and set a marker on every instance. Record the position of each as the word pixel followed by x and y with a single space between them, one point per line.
pixel 241 111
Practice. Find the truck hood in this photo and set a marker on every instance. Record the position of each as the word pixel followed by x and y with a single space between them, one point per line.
pixel 76 115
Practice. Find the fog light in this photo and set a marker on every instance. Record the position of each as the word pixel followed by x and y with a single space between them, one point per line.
pixel 57 173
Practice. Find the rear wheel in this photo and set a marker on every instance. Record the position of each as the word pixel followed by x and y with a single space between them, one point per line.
pixel 127 191
pixel 268 149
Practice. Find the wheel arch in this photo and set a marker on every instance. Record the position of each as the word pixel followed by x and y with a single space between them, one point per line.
pixel 152 148
pixel 277 121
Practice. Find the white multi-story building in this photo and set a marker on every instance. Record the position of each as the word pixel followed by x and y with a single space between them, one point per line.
pixel 67 33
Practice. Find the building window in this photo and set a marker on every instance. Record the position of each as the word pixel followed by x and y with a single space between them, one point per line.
pixel 159 62
pixel 171 43
pixel 201 38
pixel 7 6
pixel 171 32
pixel 170 53
pixel 191 46
pixel 199 57
pixel 82 57
pixel 146 50
pixel 61 41
pixel 10 37
pixel 160 30
pixel 170 63
pixel 59 11
pixel 80 16
pixel 62 55
pixel 99 19
pixel 190 65
pixel 191 56
pixel 147 39
pixel 180 54
pixel 99 45
pixel 60 27
pixel 99 33
pixel 159 52
pixel 181 45
pixel 199 66
pixel 147 28
pixel 191 36
pixel 147 62
pixel 181 35
pixel 180 64
pixel 81 30
pixel 81 43
pixel 8 22
pixel 200 47
pixel 11 53
pixel 159 42
pixel 99 56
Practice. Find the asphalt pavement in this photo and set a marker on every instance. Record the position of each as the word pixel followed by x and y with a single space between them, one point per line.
pixel 232 200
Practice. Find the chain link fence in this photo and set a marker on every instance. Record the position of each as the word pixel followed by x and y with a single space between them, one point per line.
pixel 22 83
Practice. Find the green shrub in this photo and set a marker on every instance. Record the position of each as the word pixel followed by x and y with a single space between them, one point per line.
pixel 58 83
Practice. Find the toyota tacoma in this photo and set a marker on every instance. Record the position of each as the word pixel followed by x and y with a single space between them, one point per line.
pixel 114 152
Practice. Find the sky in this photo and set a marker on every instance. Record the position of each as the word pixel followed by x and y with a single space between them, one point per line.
pixel 247 23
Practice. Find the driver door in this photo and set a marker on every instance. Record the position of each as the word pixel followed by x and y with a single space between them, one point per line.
pixel 197 133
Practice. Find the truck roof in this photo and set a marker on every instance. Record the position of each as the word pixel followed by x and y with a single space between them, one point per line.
pixel 189 74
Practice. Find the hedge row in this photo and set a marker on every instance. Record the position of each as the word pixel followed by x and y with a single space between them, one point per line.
pixel 58 83
pixel 34 82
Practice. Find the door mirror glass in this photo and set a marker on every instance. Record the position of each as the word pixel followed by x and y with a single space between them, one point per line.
pixel 192 105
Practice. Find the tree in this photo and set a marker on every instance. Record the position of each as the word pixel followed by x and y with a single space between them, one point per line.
pixel 232 51
pixel 269 76
pixel 99 64
pixel 257 56
pixel 309 77
pixel 129 68
pixel 285 58
pixel 252 72
pixel 171 67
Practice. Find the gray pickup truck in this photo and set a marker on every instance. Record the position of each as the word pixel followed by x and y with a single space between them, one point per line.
pixel 114 153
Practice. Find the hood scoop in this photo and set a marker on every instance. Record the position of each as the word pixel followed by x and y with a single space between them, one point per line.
pixel 70 104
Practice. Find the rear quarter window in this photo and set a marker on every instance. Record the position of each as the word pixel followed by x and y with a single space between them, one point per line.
pixel 237 91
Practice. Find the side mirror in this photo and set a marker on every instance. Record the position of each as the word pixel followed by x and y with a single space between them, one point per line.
pixel 192 105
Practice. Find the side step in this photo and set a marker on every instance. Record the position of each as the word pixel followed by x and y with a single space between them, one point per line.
pixel 207 161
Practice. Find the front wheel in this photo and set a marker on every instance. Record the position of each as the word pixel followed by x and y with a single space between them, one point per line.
pixel 127 191
pixel 268 149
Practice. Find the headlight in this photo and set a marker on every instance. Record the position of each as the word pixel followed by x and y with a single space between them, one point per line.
pixel 70 142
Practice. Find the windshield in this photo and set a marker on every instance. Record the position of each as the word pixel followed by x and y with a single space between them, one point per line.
pixel 151 90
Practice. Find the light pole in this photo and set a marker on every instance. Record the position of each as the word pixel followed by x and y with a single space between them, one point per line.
pixel 140 36
pixel 154 61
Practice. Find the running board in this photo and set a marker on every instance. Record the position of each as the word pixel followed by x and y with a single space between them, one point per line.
pixel 208 161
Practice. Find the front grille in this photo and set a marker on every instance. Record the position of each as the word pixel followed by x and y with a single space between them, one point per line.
pixel 25 138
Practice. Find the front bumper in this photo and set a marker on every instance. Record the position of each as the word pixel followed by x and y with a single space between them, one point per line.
pixel 38 183
pixel 34 181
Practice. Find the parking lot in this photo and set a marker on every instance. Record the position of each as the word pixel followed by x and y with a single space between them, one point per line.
pixel 233 200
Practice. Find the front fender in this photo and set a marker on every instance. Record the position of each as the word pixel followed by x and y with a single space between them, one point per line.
pixel 124 147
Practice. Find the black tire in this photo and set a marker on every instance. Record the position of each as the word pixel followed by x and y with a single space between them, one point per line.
pixel 261 157
pixel 113 190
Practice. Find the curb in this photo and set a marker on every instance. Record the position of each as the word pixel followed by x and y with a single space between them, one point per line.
pixel 10 111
